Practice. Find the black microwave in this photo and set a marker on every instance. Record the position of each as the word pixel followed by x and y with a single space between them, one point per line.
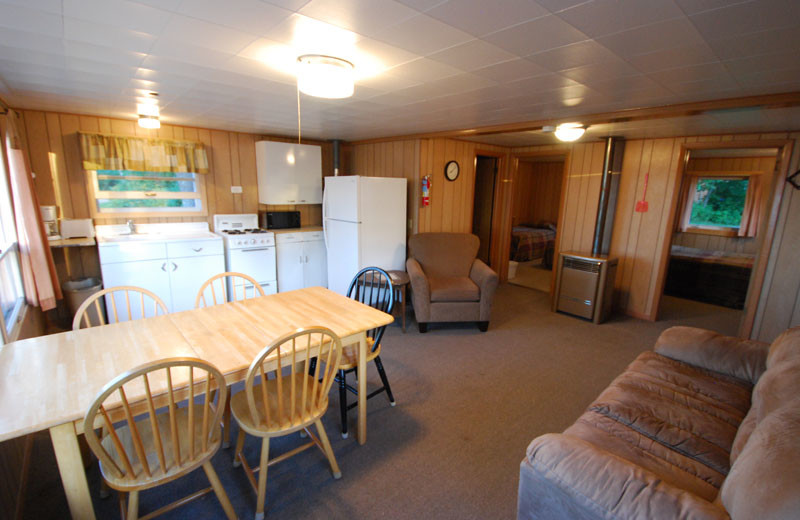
pixel 280 219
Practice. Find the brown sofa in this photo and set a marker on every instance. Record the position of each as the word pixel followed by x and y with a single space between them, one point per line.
pixel 707 426
pixel 448 282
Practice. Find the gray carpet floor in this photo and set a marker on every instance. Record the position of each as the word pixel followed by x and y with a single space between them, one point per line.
pixel 468 404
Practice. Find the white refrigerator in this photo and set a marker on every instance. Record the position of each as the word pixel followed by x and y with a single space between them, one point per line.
pixel 364 220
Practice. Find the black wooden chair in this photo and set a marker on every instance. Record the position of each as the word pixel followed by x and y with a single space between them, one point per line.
pixel 371 286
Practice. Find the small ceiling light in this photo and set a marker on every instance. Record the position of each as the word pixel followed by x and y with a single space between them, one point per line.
pixel 570 131
pixel 148 115
pixel 324 76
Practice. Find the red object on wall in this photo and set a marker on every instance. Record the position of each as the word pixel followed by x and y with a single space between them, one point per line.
pixel 426 186
pixel 642 205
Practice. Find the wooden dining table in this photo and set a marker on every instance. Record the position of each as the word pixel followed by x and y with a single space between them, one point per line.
pixel 48 382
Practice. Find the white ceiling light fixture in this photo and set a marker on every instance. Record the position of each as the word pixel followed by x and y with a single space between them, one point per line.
pixel 325 76
pixel 148 116
pixel 569 132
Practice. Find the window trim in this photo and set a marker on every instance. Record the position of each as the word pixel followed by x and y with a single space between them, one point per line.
pixel 8 335
pixel 95 193
pixel 688 202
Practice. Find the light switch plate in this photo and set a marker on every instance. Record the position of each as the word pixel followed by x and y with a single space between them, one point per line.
pixel 236 189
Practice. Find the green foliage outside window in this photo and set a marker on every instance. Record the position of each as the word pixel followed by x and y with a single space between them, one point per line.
pixel 719 202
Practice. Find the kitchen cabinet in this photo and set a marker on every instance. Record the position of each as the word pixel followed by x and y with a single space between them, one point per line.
pixel 173 270
pixel 289 173
pixel 302 260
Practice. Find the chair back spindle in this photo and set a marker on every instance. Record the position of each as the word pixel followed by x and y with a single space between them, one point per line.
pixel 372 286
pixel 135 303
pixel 226 287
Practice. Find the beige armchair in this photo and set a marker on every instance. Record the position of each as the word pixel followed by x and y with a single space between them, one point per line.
pixel 447 280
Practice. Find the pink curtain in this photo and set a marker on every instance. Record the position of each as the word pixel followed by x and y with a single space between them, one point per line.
pixel 38 270
pixel 751 215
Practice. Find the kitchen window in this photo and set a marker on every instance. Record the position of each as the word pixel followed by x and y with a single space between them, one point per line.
pixel 140 193
pixel 12 295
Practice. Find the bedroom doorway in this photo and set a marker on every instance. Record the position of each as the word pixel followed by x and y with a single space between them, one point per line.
pixel 722 208
pixel 486 168
pixel 534 220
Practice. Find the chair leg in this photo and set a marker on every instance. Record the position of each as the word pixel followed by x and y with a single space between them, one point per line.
pixel 226 423
pixel 219 490
pixel 326 444
pixel 238 450
pixel 384 379
pixel 262 479
pixel 343 401
pixel 133 505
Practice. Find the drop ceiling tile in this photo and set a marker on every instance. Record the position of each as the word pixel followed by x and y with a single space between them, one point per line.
pixel 472 55
pixel 652 38
pixel 423 35
pixel 292 5
pixel 30 20
pixel 107 55
pixel 754 44
pixel 673 58
pixel 257 69
pixel 537 84
pixel 424 70
pixel 600 72
pixel 118 13
pixel 539 35
pixel 384 55
pixel 367 17
pixel 183 30
pixel 762 63
pixel 168 5
pixel 747 18
pixel 387 82
pixel 574 55
pixel 625 85
pixel 699 6
pixel 511 70
pixel 706 71
pixel 479 17
pixel 107 36
pixel 602 17
pixel 251 16
pixel 23 40
pixel 49 6
pixel 790 74
pixel 16 59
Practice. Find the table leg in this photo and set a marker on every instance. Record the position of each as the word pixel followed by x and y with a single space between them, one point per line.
pixel 404 309
pixel 362 388
pixel 73 475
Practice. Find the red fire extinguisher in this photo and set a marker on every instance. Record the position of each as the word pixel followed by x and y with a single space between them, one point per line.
pixel 426 186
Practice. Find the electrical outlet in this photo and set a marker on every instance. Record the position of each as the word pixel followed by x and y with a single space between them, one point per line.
pixel 236 189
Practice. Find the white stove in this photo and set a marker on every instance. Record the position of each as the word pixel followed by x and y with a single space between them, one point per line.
pixel 248 249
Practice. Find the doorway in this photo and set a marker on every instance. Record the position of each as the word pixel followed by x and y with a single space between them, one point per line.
pixel 721 213
pixel 486 169
pixel 534 220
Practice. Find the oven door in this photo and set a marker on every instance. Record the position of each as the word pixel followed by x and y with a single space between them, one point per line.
pixel 257 261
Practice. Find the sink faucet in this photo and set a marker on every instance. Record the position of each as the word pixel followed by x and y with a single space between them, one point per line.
pixel 131 227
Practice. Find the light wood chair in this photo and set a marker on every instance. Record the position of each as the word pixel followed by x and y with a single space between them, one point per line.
pixel 371 286
pixel 140 448
pixel 146 300
pixel 286 399
pixel 241 287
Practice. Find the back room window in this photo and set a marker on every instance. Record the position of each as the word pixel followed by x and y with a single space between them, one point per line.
pixel 719 203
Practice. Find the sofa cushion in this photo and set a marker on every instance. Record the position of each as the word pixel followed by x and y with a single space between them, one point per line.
pixel 453 289
pixel 673 419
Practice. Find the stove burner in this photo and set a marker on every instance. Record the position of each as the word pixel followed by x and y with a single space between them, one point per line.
pixel 233 231
pixel 254 231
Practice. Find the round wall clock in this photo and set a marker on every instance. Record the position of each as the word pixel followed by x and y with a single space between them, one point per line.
pixel 451 170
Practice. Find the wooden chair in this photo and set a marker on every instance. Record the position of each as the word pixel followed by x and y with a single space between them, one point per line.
pixel 140 448
pixel 237 284
pixel 146 300
pixel 288 398
pixel 371 286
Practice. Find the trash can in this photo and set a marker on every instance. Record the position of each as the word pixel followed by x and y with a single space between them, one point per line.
pixel 78 291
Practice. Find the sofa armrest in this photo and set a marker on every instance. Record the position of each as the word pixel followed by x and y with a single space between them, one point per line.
pixel 420 291
pixel 741 358
pixel 566 477
pixel 486 280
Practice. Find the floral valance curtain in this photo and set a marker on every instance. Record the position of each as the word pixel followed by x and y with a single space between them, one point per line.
pixel 111 152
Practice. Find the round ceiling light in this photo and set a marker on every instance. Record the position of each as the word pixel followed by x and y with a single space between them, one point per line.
pixel 570 131
pixel 325 76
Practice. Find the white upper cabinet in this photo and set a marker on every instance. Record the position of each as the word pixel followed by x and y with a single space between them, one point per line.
pixel 289 173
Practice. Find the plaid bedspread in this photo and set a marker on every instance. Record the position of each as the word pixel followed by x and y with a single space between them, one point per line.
pixel 530 243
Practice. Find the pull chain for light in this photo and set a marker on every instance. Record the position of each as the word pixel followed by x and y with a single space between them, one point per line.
pixel 298 113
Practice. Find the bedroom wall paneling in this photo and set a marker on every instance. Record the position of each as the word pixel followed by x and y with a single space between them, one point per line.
pixel 779 302
pixel 537 190
pixel 51 142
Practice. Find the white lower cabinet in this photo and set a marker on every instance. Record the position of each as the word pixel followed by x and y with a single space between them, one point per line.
pixel 172 270
pixel 302 260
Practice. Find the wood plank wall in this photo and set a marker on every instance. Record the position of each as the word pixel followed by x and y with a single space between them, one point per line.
pixel 451 203
pixel 537 192
pixel 637 237
pixel 232 162
pixel 779 304
pixel 766 165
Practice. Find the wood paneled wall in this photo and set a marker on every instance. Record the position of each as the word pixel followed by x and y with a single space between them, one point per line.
pixel 537 191
pixel 637 238
pixel 779 302
pixel 51 141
